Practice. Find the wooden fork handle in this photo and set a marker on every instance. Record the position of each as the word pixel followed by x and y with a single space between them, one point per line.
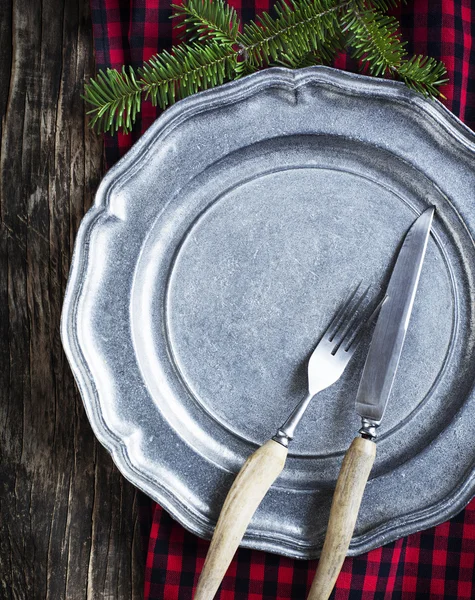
pixel 350 486
pixel 249 488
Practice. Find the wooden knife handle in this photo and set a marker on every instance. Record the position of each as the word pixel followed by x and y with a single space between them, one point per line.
pixel 249 488
pixel 350 486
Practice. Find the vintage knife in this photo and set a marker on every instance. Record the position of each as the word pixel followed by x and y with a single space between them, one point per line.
pixel 373 393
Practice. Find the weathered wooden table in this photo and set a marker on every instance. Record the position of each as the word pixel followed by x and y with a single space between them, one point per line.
pixel 68 524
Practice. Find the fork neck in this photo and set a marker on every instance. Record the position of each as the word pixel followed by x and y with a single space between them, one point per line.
pixel 285 433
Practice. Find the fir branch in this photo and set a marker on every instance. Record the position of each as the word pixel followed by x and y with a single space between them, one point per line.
pixel 167 77
pixel 423 74
pixel 115 97
pixel 207 19
pixel 299 28
pixel 302 33
pixel 373 38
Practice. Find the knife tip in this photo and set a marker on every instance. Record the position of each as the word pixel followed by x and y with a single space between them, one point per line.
pixel 427 214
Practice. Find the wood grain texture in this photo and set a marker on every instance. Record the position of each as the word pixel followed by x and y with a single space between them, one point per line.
pixel 349 490
pixel 252 483
pixel 68 526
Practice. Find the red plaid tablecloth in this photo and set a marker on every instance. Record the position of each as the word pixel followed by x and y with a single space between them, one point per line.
pixel 436 564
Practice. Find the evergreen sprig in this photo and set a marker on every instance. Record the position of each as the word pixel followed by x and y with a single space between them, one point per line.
pixel 192 67
pixel 205 20
pixel 217 49
pixel 300 27
pixel 116 99
pixel 373 38
pixel 423 74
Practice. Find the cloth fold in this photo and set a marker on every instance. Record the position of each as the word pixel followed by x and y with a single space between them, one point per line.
pixel 436 564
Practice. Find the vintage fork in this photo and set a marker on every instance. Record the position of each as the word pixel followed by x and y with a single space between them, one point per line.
pixel 325 367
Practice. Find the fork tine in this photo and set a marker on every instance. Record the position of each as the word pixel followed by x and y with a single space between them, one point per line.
pixel 352 321
pixel 350 342
pixel 364 326
pixel 341 315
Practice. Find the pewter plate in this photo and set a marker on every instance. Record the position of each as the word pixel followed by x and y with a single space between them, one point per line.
pixel 213 258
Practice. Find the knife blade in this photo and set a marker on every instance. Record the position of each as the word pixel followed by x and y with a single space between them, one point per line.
pixel 371 400
pixel 391 327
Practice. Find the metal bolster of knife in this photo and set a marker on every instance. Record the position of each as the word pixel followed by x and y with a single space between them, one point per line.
pixel 368 428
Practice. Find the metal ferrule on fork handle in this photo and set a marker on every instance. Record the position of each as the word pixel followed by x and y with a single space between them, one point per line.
pixel 286 432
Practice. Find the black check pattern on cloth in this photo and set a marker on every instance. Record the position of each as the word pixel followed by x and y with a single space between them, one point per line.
pixel 437 564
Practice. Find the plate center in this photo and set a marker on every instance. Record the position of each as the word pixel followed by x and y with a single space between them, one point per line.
pixel 255 283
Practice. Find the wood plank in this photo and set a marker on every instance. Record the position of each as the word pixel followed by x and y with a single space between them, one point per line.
pixel 67 517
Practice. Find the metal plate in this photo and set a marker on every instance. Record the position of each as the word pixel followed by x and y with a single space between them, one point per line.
pixel 213 258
